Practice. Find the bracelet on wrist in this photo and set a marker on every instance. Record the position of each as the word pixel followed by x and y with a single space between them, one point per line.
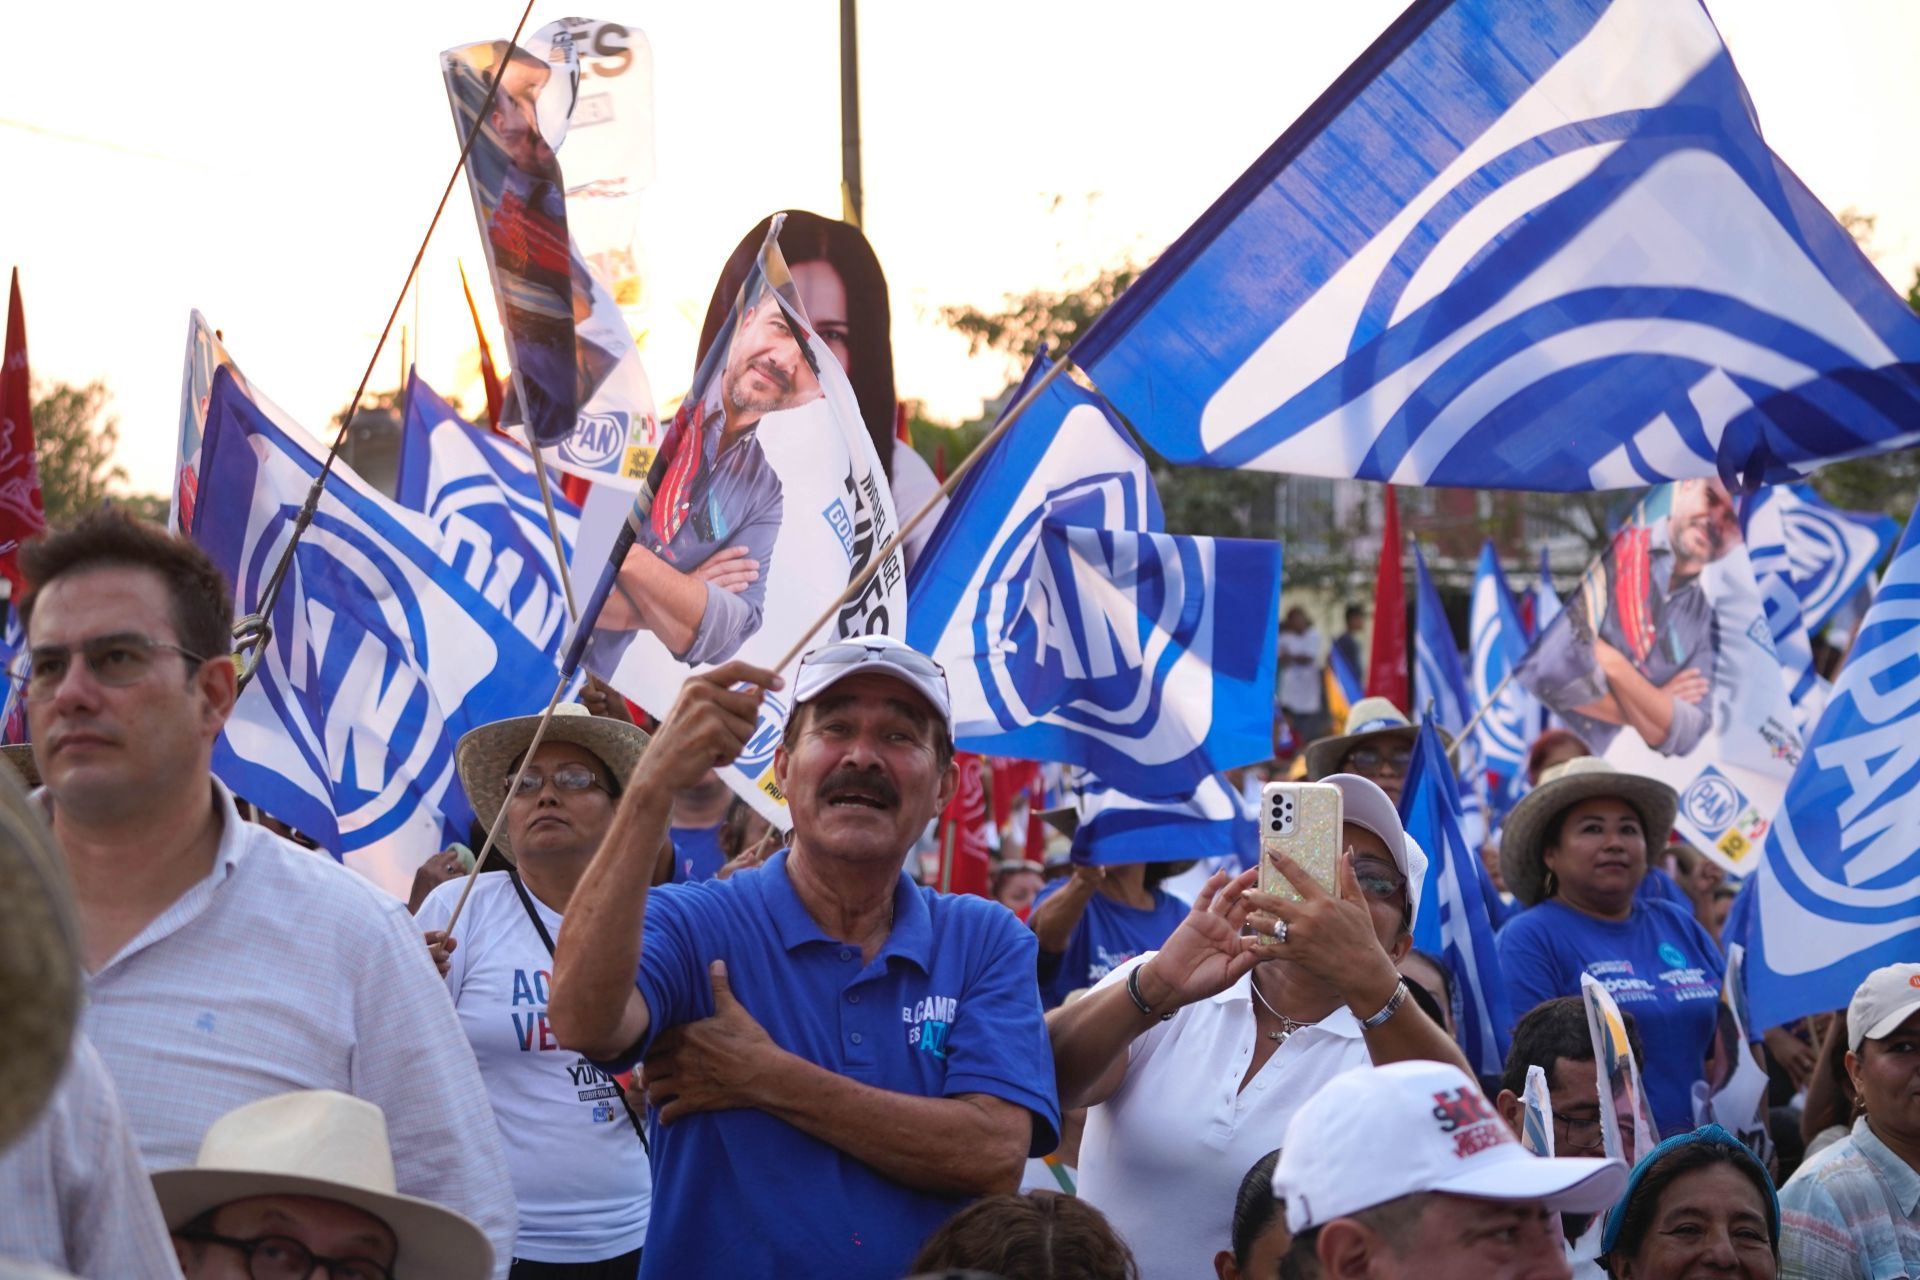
pixel 1392 1006
pixel 1140 1001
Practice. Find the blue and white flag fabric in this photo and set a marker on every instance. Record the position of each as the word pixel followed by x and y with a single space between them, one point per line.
pixel 381 655
pixel 481 493
pixel 1824 552
pixel 1506 217
pixel 1113 828
pixel 1073 630
pixel 1453 922
pixel 1511 719
pixel 1546 607
pixel 13 715
pixel 1838 893
pixel 1765 531
pixel 1440 694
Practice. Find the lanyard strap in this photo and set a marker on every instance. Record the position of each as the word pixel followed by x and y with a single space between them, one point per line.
pixel 533 914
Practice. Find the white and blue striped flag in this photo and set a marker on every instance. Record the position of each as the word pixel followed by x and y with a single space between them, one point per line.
pixel 1073 630
pixel 1440 694
pixel 1824 552
pixel 1504 218
pixel 1763 526
pixel 1114 828
pixel 381 654
pixel 1453 922
pixel 480 491
pixel 1497 642
pixel 1838 893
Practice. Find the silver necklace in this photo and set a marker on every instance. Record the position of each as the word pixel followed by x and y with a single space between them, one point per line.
pixel 1287 1025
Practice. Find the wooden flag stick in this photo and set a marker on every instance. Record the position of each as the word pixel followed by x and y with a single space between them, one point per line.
pixel 553 530
pixel 860 580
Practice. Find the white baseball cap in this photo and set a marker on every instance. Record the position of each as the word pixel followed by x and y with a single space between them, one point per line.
pixel 1364 804
pixel 1886 999
pixel 1444 1136
pixel 826 666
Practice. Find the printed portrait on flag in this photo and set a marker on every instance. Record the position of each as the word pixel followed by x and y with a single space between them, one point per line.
pixel 1663 663
pixel 581 392
pixel 765 499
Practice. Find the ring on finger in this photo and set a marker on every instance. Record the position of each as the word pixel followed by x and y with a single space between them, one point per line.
pixel 1279 930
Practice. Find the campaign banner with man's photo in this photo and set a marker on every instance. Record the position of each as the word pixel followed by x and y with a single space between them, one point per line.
pixel 1663 663
pixel 766 500
pixel 581 393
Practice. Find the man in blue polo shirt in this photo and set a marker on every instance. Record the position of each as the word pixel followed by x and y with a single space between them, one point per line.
pixel 836 1060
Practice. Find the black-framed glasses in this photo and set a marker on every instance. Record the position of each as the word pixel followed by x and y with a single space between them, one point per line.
pixel 1583 1133
pixel 1374 757
pixel 1378 880
pixel 284 1258
pixel 116 661
pixel 568 777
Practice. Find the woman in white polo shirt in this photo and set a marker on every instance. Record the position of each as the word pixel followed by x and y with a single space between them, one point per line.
pixel 1193 1058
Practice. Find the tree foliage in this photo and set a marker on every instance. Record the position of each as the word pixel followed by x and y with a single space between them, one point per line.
pixel 74 437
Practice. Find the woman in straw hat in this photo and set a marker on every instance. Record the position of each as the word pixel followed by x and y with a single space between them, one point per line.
pixel 579 1167
pixel 1575 851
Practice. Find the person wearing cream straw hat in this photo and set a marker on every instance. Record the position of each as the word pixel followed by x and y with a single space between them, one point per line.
pixel 579 1168
pixel 302 1180
pixel 1377 745
pixel 1575 850
pixel 73 1193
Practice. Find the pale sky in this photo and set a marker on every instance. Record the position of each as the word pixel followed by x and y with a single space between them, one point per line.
pixel 275 165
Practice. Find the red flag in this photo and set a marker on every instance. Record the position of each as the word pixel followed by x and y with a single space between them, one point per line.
pixel 488 377
pixel 21 515
pixel 1010 778
pixel 1387 665
pixel 965 857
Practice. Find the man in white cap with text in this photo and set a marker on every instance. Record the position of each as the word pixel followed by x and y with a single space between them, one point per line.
pixel 304 1181
pixel 1407 1171
pixel 836 1059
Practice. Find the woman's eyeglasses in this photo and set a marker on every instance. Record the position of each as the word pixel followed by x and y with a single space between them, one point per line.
pixel 573 778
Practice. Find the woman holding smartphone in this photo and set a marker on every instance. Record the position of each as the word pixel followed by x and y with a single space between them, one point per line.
pixel 1193 1058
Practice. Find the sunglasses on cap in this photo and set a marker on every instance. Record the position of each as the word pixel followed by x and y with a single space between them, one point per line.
pixel 851 653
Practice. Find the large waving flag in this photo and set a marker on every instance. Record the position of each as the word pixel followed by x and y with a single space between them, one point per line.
pixel 1114 828
pixel 1506 217
pixel 1440 695
pixel 381 655
pixel 1510 720
pixel 480 491
pixel 1453 922
pixel 21 514
pixel 1824 552
pixel 1838 894
pixel 1072 629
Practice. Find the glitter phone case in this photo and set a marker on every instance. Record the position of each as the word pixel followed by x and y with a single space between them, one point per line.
pixel 1301 820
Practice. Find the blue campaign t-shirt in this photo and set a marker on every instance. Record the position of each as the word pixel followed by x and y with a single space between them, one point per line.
pixel 947 1007
pixel 1658 886
pixel 1658 964
pixel 696 853
pixel 1108 935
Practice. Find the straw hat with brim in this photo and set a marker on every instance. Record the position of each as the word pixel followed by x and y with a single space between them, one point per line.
pixel 332 1146
pixel 39 961
pixel 1370 720
pixel 486 756
pixel 1523 837
pixel 20 756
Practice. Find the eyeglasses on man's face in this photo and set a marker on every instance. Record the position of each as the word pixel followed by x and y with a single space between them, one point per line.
pixel 115 661
pixel 1366 758
pixel 284 1258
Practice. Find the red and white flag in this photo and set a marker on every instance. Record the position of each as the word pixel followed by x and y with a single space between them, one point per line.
pixel 21 514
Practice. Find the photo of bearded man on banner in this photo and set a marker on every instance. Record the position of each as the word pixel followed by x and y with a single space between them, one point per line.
pixel 1663 663
pixel 765 500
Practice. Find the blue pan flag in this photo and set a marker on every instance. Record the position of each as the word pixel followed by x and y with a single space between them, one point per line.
pixel 381 656
pixel 1504 218
pixel 1440 694
pixel 1114 828
pixel 1072 629
pixel 1510 721
pixel 1453 922
pixel 1838 894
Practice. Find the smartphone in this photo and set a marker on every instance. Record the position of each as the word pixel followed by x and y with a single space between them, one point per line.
pixel 1301 820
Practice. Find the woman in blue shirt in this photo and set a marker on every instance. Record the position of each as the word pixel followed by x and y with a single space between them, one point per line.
pixel 1575 850
pixel 1095 919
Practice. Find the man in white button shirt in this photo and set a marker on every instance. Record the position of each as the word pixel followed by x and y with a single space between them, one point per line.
pixel 223 963
pixel 1193 1058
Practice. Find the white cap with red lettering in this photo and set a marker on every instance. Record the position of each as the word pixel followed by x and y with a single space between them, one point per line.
pixel 1379 1133
pixel 1886 999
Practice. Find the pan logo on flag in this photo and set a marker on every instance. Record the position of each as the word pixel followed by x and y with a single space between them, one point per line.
pixel 596 440
pixel 1724 815
pixel 773 720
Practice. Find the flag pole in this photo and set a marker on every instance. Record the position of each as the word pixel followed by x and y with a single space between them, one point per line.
pixel 553 530
pixel 500 818
pixel 861 579
pixel 254 630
